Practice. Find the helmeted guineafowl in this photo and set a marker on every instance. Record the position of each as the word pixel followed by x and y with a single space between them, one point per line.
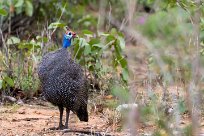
pixel 63 81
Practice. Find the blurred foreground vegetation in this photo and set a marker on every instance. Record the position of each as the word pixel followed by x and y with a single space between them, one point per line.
pixel 169 32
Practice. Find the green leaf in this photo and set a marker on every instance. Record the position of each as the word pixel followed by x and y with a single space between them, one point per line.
pixel 56 25
pixel 146 110
pixel 13 40
pixel 87 20
pixel 1 84
pixel 161 123
pixel 28 8
pixel 94 41
pixel 87 32
pixel 188 130
pixel 87 49
pixel 118 52
pixel 19 3
pixel 182 106
pixel 123 62
pixel 98 45
pixel 78 50
pixel 41 39
pixel 125 74
pixel 4 84
pixel 9 2
pixel 122 42
pixel 3 12
pixel 104 34
pixel 110 38
pixel 98 65
pixel 25 46
pixel 91 67
pixel 9 81
pixel 121 93
pixel 113 31
pixel 82 42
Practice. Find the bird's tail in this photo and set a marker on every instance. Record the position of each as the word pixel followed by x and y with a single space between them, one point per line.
pixel 82 114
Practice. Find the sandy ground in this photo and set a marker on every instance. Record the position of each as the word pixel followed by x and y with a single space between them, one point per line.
pixel 35 120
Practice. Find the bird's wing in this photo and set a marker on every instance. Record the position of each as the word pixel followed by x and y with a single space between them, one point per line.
pixel 47 63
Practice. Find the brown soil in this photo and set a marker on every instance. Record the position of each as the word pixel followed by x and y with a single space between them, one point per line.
pixel 35 120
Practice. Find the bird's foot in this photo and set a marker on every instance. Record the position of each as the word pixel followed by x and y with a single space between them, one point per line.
pixel 61 127
pixel 66 127
pixel 53 128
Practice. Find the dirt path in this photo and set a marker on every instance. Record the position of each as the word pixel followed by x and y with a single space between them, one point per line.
pixel 35 120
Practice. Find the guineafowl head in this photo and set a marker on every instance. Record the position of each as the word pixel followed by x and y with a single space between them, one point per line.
pixel 82 114
pixel 67 38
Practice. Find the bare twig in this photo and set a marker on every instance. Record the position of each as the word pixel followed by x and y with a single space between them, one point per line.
pixel 102 12
pixel 194 87
pixel 87 132
pixel 130 10
pixel 59 18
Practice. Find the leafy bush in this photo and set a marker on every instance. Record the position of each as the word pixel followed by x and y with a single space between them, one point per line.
pixel 93 52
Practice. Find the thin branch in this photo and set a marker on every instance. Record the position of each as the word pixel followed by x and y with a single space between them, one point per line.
pixel 87 132
pixel 59 18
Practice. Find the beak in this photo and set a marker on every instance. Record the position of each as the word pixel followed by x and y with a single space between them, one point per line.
pixel 74 35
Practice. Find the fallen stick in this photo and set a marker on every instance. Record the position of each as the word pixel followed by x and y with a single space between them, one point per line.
pixel 88 132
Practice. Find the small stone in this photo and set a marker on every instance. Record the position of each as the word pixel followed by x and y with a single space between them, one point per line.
pixel 9 99
pixel 182 122
pixel 14 120
pixel 21 112
pixel 20 102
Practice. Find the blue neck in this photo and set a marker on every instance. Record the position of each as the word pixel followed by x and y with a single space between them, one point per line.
pixel 66 42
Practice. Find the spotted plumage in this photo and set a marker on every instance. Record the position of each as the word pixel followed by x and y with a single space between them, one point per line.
pixel 63 82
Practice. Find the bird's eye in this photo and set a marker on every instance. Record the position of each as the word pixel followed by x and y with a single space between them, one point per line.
pixel 69 33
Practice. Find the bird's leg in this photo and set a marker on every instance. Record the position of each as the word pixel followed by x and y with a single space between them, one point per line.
pixel 67 118
pixel 61 114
